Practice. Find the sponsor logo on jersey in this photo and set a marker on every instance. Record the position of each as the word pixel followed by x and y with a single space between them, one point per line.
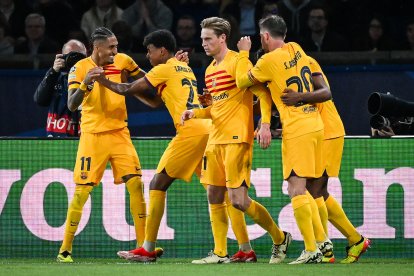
pixel 222 96
pixel 309 109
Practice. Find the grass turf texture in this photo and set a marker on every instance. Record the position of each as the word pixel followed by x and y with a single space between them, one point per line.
pixel 166 266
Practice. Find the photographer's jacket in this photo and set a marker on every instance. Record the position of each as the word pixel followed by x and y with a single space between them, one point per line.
pixel 53 92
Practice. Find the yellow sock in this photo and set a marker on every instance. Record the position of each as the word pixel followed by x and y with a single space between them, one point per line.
pixel 323 213
pixel 320 235
pixel 74 215
pixel 238 222
pixel 338 218
pixel 303 215
pixel 261 216
pixel 137 207
pixel 219 227
pixel 155 213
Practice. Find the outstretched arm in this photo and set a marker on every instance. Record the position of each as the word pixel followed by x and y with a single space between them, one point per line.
pixel 140 89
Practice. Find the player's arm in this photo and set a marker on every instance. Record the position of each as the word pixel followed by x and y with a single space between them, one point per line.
pixel 140 89
pixel 244 77
pixel 141 74
pixel 76 95
pixel 321 93
pixel 264 136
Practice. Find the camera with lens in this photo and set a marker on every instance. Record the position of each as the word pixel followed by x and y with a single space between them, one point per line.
pixel 71 59
pixel 393 112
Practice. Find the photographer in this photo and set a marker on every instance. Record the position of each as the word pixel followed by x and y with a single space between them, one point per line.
pixel 391 115
pixel 53 92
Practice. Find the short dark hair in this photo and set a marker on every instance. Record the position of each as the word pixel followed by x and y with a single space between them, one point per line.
pixel 274 24
pixel 161 38
pixel 101 33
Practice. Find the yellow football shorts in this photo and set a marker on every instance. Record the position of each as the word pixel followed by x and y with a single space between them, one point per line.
pixel 227 165
pixel 332 155
pixel 303 155
pixel 183 156
pixel 96 149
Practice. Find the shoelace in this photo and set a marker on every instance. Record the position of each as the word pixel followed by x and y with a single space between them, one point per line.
pixel 275 250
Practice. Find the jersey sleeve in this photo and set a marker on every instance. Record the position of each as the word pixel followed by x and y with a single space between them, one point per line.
pixel 76 76
pixel 316 69
pixel 265 101
pixel 314 66
pixel 243 66
pixel 157 75
pixel 130 66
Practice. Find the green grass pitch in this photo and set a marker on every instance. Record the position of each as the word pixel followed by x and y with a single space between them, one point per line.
pixel 167 266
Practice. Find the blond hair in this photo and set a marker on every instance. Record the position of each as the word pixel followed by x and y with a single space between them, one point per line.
pixel 218 25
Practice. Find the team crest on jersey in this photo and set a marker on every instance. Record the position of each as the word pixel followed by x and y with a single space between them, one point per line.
pixel 213 82
pixel 84 175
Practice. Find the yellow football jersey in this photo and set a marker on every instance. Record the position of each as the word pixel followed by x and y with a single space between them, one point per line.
pixel 333 126
pixel 177 86
pixel 102 109
pixel 232 108
pixel 284 67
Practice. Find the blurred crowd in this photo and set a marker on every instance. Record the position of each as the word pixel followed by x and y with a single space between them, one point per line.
pixel 43 26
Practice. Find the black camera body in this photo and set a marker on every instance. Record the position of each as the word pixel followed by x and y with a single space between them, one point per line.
pixel 71 59
pixel 391 111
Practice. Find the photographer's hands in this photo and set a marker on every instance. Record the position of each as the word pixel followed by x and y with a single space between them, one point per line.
pixel 59 63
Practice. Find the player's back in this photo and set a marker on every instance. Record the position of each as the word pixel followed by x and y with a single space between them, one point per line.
pixel 102 109
pixel 176 84
pixel 289 67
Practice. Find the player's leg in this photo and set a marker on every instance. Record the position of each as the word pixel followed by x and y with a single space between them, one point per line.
pixel 126 168
pixel 148 252
pixel 318 188
pixel 213 175
pixel 137 205
pixel 72 221
pixel 158 190
pixel 299 163
pixel 238 224
pixel 238 167
pixel 333 149
pixel 89 167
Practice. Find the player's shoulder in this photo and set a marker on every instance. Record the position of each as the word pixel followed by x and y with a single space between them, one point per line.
pixel 294 45
pixel 84 62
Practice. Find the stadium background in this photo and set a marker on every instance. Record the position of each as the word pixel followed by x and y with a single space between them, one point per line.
pixel 351 86
pixel 375 187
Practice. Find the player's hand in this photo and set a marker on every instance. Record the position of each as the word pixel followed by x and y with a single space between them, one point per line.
pixel 264 137
pixel 93 74
pixel 291 97
pixel 244 43
pixel 187 115
pixel 59 63
pixel 182 56
pixel 205 99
